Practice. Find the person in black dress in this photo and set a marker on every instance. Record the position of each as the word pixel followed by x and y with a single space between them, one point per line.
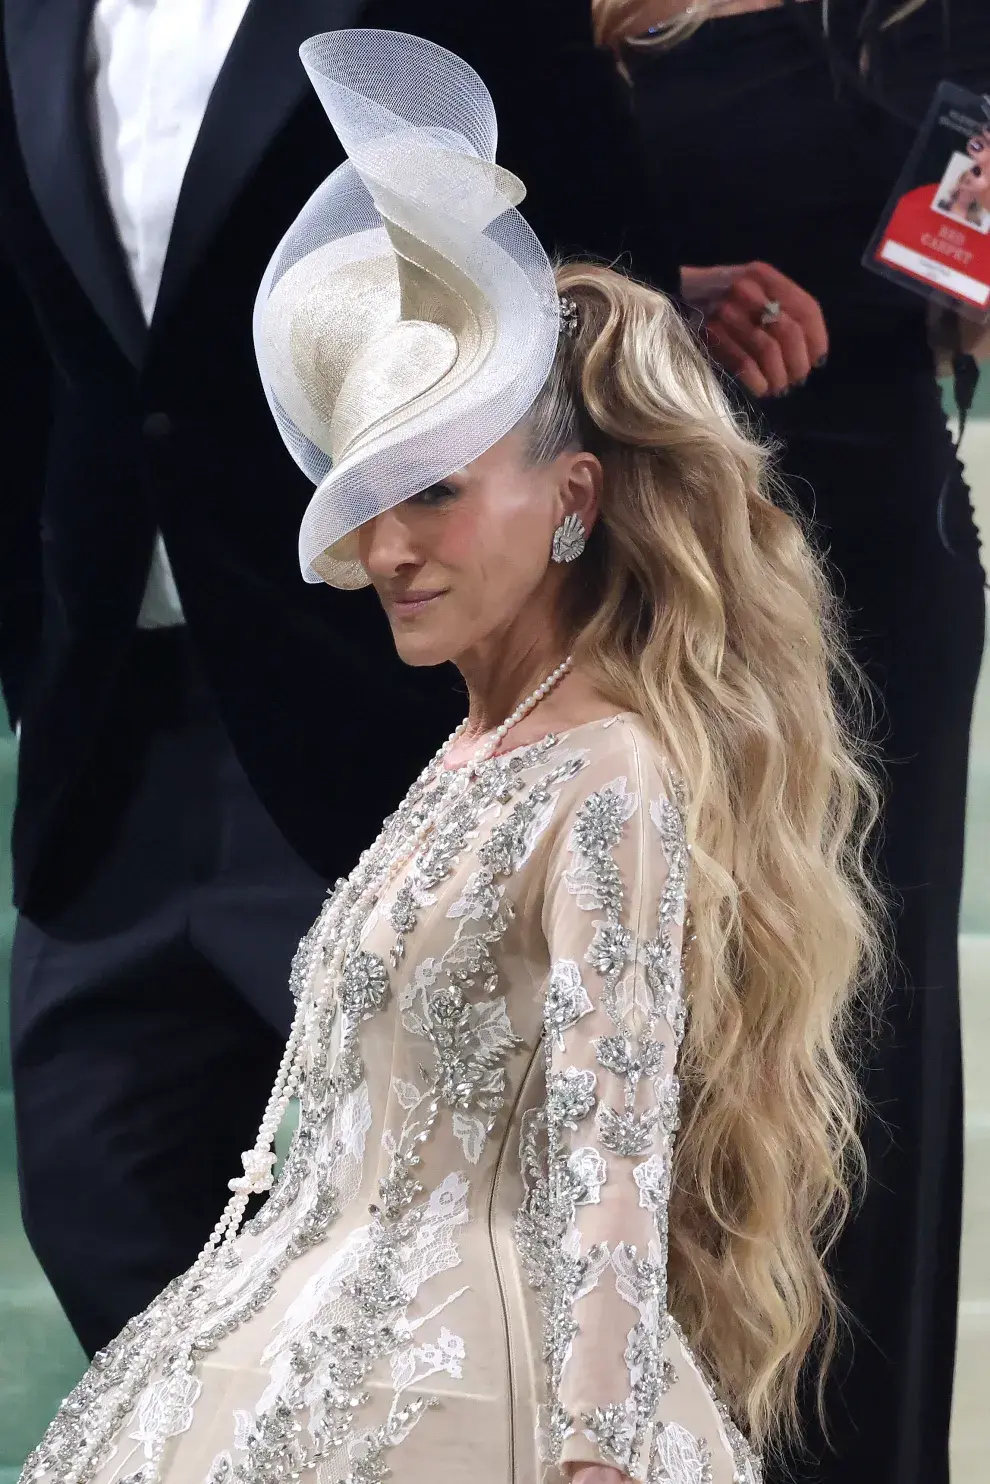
pixel 765 149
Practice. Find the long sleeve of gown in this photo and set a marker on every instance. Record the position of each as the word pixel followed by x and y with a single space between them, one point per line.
pixel 623 1387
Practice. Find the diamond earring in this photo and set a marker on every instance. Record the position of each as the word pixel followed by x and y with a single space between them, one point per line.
pixel 569 540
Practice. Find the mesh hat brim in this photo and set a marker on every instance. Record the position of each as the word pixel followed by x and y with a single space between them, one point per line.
pixel 409 317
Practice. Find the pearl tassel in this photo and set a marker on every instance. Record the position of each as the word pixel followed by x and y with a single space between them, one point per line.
pixel 258 1162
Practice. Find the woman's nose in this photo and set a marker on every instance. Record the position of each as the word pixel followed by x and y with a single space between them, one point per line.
pixel 386 545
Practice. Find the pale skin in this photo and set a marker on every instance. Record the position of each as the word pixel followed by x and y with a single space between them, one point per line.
pixel 464 574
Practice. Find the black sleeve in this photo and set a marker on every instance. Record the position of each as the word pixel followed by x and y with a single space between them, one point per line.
pixel 948 40
pixel 566 128
pixel 25 412
pixel 943 40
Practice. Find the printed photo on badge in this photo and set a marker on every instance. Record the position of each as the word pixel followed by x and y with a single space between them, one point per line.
pixel 964 193
pixel 934 237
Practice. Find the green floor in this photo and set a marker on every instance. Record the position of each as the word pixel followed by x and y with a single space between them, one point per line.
pixel 976 888
pixel 39 1357
pixel 981 402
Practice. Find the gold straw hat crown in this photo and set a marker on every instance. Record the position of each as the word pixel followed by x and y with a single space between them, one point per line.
pixel 409 317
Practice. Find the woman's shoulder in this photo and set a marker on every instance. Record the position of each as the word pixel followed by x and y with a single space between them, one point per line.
pixel 606 791
pixel 625 735
pixel 617 754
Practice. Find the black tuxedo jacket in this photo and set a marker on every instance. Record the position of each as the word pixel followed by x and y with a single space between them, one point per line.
pixel 111 430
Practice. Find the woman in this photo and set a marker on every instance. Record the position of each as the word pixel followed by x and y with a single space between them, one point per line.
pixel 792 141
pixel 486 1258
pixel 969 198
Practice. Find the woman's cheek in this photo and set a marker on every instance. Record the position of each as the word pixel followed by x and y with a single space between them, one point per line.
pixel 457 543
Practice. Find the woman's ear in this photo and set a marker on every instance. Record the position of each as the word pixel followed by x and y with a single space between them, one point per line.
pixel 581 479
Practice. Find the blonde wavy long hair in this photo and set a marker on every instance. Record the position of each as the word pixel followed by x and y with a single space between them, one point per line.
pixel 616 21
pixel 700 605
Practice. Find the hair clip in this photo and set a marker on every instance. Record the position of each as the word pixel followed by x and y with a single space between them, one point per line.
pixel 569 324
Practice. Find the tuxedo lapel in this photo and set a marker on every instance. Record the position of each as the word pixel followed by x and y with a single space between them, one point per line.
pixel 46 44
pixel 261 82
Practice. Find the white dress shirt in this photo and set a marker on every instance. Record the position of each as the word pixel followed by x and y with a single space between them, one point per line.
pixel 152 68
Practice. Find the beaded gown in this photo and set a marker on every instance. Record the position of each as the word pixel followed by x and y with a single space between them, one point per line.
pixel 461 1270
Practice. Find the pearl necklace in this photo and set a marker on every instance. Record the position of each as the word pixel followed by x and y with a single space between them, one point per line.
pixel 339 920
pixel 259 1162
pixel 489 748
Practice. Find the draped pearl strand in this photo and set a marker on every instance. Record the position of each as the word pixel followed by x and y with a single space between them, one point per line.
pixel 376 868
pixel 339 923
pixel 489 747
pixel 259 1161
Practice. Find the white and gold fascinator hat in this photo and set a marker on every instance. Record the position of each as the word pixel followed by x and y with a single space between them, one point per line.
pixel 409 317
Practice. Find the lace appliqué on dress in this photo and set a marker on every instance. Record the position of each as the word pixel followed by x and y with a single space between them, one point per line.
pixel 349 1319
pixel 639 991
pixel 355 1319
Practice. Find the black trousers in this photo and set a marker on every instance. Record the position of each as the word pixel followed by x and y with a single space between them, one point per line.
pixel 150 1007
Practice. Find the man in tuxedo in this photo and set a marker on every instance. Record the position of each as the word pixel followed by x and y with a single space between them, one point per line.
pixel 205 740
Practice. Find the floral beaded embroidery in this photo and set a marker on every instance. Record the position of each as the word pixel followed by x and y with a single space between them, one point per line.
pixel 639 990
pixel 364 1352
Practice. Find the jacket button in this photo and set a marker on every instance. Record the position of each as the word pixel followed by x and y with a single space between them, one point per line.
pixel 157 425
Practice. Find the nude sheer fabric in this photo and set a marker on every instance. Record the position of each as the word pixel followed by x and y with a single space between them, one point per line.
pixel 461 1273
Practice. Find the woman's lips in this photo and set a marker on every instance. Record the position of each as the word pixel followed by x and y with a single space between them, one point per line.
pixel 413 603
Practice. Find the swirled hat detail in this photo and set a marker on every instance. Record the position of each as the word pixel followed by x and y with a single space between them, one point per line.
pixel 409 317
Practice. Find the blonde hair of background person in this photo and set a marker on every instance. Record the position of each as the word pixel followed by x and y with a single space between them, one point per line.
pixel 617 21
pixel 702 608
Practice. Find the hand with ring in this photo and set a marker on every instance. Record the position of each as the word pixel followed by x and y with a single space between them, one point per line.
pixel 760 325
